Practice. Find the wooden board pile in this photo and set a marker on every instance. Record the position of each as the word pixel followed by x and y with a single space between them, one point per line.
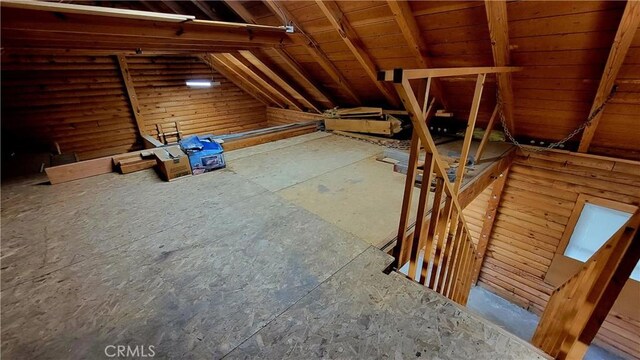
pixel 370 120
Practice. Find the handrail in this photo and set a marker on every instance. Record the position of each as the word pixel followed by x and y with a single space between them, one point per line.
pixel 445 239
pixel 577 308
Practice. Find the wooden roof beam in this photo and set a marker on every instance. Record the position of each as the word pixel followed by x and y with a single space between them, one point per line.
pixel 398 75
pixel 240 10
pixel 264 82
pixel 621 43
pixel 228 73
pixel 298 70
pixel 233 73
pixel 499 33
pixel 202 6
pixel 27 21
pixel 340 23
pixel 411 33
pixel 313 48
pixel 277 79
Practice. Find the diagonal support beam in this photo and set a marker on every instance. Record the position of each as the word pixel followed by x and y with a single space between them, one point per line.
pixel 298 70
pixel 313 48
pixel 340 23
pixel 411 33
pixel 131 93
pixel 256 75
pixel 243 13
pixel 487 225
pixel 499 33
pixel 621 43
pixel 487 134
pixel 222 65
pixel 277 79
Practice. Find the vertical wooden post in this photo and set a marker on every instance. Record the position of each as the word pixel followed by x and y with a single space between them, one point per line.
pixel 433 221
pixel 423 201
pixel 407 199
pixel 489 219
pixel 131 93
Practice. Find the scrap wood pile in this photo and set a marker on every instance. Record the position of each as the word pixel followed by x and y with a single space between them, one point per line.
pixel 368 120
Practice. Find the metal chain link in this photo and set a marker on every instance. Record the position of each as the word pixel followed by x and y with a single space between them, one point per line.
pixel 558 143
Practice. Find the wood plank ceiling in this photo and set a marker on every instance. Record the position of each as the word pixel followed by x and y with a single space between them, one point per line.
pixel 329 60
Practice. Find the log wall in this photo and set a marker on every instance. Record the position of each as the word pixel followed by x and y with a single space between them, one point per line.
pixel 538 198
pixel 165 99
pixel 78 102
pixel 81 103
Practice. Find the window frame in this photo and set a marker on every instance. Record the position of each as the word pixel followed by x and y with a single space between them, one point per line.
pixel 582 200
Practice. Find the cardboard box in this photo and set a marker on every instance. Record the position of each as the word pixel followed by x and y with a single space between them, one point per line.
pixel 204 155
pixel 172 162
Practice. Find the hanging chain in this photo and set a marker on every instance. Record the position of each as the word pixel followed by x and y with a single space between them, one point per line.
pixel 555 144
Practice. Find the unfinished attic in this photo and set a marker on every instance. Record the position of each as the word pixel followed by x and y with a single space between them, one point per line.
pixel 320 179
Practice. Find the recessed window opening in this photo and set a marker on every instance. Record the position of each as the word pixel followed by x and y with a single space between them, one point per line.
pixel 596 225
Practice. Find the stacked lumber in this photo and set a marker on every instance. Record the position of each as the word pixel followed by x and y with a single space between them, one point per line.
pixel 368 120
pixel 132 162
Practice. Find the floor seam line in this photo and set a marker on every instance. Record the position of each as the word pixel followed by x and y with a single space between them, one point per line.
pixel 324 173
pixel 297 301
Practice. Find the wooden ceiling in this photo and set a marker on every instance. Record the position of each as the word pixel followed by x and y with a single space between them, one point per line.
pixel 338 47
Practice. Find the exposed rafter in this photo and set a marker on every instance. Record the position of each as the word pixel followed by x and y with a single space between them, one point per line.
pixel 202 5
pixel 340 23
pixel 499 33
pixel 409 28
pixel 277 79
pixel 262 80
pixel 240 82
pixel 290 62
pixel 240 10
pixel 624 36
pixel 314 49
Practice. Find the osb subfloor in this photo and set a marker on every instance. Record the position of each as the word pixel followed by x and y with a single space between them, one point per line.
pixel 214 265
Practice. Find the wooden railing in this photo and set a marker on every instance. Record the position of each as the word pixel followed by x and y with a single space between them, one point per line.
pixel 577 308
pixel 440 234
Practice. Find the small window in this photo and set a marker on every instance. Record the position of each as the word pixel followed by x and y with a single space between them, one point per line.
pixel 596 223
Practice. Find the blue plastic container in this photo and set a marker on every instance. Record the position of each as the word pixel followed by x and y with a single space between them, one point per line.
pixel 203 155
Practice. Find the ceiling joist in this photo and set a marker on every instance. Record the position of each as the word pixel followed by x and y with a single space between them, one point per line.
pixel 499 34
pixel 621 43
pixel 31 24
pixel 332 12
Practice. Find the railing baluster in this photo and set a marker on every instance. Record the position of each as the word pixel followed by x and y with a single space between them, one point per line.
pixel 454 229
pixel 423 201
pixel 446 291
pixel 414 151
pixel 435 213
pixel 441 231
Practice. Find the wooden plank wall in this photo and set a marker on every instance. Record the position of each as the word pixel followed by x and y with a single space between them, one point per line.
pixel 77 101
pixel 164 98
pixel 277 116
pixel 538 198
pixel 80 102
